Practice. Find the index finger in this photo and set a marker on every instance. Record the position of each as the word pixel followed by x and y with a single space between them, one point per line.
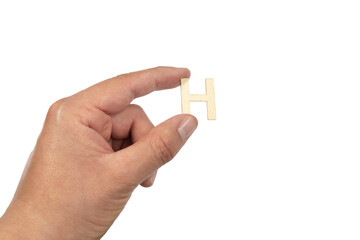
pixel 113 95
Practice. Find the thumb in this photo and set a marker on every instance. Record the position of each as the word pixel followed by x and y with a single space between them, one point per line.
pixel 159 146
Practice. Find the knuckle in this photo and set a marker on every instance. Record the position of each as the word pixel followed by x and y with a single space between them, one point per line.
pixel 57 110
pixel 56 107
pixel 162 150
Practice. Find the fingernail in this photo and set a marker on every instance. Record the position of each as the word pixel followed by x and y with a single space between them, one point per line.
pixel 187 127
pixel 152 179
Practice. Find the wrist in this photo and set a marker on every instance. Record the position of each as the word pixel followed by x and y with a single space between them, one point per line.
pixel 22 222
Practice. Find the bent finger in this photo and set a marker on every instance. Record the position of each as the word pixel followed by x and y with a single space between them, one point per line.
pixel 131 122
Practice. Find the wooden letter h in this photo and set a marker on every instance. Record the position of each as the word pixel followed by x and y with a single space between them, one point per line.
pixel 209 97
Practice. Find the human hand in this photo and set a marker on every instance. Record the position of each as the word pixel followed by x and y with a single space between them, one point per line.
pixel 94 150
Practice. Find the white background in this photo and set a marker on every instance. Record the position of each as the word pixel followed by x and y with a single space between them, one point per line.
pixel 282 161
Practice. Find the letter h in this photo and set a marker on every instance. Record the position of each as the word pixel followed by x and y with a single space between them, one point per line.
pixel 209 97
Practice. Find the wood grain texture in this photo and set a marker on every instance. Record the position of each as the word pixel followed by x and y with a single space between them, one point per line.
pixel 209 97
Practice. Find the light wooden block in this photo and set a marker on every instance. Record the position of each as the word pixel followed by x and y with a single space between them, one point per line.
pixel 209 97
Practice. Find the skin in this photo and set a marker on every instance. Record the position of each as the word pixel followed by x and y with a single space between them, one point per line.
pixel 94 150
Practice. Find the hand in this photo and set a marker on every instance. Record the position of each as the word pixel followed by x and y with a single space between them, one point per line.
pixel 94 150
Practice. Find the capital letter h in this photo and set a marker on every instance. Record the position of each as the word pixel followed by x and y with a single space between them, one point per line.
pixel 209 97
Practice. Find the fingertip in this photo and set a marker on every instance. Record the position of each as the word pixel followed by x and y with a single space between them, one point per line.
pixel 187 126
pixel 182 71
pixel 187 72
pixel 186 115
pixel 146 184
pixel 195 119
pixel 149 181
pixel 192 117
